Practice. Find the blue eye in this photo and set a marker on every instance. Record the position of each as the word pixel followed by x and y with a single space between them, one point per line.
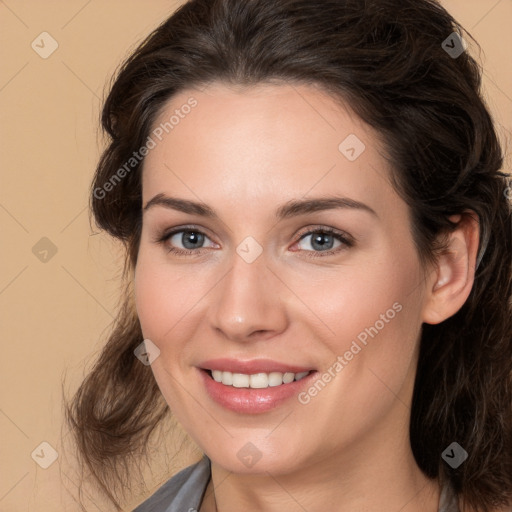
pixel 323 239
pixel 192 240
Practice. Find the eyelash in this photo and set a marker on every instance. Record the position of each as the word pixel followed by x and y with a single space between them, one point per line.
pixel 343 238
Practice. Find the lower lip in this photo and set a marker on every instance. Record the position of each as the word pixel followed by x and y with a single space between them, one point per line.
pixel 252 400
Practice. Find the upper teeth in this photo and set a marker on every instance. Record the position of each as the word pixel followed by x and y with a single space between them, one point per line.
pixel 256 380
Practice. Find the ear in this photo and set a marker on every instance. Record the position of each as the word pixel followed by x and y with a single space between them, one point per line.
pixel 452 279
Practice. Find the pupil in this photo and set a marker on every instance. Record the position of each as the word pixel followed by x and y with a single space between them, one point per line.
pixel 320 240
pixel 192 238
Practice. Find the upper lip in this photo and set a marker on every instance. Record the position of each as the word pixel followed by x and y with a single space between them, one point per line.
pixel 252 366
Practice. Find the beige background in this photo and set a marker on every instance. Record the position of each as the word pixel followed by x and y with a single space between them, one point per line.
pixel 55 314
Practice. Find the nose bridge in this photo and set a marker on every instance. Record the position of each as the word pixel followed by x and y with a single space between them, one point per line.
pixel 247 299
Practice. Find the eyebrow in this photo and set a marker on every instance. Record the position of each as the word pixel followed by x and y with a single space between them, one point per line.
pixel 291 208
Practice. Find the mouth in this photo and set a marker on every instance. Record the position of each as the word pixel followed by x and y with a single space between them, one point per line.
pixel 259 380
pixel 253 387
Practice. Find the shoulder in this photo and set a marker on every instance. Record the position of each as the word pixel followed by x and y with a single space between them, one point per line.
pixel 183 491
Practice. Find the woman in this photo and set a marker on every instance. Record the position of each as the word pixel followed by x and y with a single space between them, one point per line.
pixel 318 244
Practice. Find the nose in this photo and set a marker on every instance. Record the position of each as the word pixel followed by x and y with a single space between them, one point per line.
pixel 247 304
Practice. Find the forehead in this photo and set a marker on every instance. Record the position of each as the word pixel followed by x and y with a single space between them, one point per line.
pixel 270 139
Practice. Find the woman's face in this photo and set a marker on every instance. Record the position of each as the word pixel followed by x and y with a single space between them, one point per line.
pixel 277 280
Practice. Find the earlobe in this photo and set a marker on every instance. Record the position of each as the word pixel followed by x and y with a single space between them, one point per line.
pixel 453 277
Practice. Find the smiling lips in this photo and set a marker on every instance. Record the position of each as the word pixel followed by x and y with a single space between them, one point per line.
pixel 252 386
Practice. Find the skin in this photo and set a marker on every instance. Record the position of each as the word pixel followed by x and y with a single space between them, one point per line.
pixel 244 152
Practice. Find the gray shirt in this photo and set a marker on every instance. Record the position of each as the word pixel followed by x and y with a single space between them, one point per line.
pixel 184 492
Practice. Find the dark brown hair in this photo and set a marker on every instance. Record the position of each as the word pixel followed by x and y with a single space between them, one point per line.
pixel 386 60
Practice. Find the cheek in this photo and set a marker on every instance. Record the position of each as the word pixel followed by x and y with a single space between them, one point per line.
pixel 375 320
pixel 168 301
pixel 148 293
pixel 374 314
pixel 157 298
pixel 159 308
